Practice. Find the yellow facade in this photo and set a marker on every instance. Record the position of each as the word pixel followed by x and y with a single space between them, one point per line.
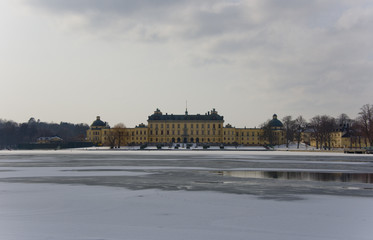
pixel 185 131
pixel 137 135
pixel 97 133
pixel 165 129
pixel 340 139
pixel 243 136
pixel 355 142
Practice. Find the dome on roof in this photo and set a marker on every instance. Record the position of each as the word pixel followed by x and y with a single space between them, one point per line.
pixel 98 123
pixel 275 122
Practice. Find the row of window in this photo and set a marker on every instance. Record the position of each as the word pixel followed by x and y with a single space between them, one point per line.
pixel 178 132
pixel 242 139
pixel 242 134
pixel 191 132
pixel 140 133
pixel 198 140
pixel 196 125
pixel 196 132
pixel 138 138
pixel 189 140
pixel 137 133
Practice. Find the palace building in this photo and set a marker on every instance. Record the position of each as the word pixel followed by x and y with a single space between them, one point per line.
pixel 166 129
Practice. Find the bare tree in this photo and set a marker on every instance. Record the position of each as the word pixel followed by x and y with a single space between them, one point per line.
pixel 267 134
pixel 323 126
pixel 316 130
pixel 300 126
pixel 289 127
pixel 119 132
pixel 328 125
pixel 111 139
pixel 343 120
pixel 366 122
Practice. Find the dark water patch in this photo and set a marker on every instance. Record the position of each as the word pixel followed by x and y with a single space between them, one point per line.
pixel 95 170
pixel 302 176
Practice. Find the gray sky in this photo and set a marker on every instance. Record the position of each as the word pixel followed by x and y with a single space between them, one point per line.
pixel 71 60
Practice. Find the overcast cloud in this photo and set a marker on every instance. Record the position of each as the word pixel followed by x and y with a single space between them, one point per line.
pixel 290 57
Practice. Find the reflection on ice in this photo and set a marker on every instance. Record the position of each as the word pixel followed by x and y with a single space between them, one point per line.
pixel 304 176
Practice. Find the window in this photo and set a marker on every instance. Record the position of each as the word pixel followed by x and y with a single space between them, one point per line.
pixel 178 125
pixel 191 125
pixel 197 125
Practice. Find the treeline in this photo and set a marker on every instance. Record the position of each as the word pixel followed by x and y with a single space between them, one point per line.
pixel 321 128
pixel 12 133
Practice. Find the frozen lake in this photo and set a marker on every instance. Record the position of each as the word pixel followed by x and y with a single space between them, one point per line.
pixel 89 194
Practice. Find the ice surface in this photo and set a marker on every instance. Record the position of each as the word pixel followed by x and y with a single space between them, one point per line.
pixel 103 194
pixel 47 211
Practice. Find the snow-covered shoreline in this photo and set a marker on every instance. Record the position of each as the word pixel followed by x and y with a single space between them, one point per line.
pixel 118 151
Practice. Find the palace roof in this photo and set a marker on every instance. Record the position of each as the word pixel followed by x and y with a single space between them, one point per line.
pixel 98 123
pixel 210 116
pixel 275 122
